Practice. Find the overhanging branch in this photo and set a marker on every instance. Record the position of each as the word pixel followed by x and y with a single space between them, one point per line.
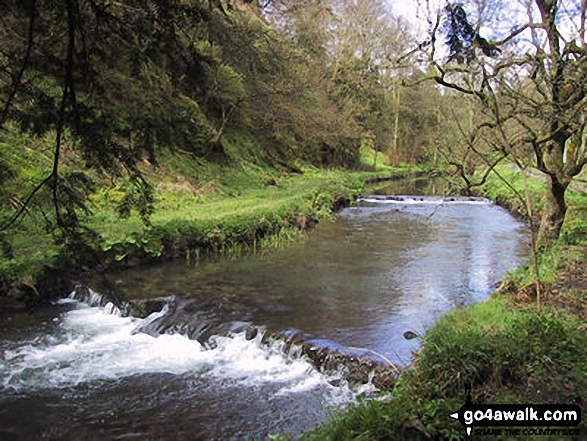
pixel 18 78
pixel 26 203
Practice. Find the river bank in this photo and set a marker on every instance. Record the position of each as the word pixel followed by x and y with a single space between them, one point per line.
pixel 507 348
pixel 200 209
pixel 353 282
pixel 514 348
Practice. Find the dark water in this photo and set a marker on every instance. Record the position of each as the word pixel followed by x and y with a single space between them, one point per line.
pixel 383 267
pixel 90 376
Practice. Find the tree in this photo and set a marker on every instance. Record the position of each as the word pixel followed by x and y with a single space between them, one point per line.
pixel 295 96
pixel 531 81
pixel 345 51
pixel 364 41
pixel 418 126
pixel 119 80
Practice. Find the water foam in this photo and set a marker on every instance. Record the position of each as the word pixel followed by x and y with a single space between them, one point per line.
pixel 94 343
pixel 423 200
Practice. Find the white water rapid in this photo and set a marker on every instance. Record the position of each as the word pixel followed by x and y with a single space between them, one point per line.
pixel 97 343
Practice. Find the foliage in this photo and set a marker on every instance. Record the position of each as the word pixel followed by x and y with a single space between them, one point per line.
pixel 196 227
pixel 420 127
pixel 507 355
pixel 199 208
pixel 529 87
pixel 372 158
pixel 574 231
pixel 90 85
pixel 114 113
pixel 462 38
pixel 115 85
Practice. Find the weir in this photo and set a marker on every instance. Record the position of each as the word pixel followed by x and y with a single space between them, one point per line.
pixel 359 368
pixel 266 343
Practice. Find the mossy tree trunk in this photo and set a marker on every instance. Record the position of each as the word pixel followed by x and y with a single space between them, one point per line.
pixel 553 215
pixel 537 117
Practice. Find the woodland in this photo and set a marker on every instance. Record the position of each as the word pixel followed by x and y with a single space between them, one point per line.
pixel 98 95
pixel 115 84
pixel 136 131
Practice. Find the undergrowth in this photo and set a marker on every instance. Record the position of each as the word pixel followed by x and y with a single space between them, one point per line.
pixel 200 207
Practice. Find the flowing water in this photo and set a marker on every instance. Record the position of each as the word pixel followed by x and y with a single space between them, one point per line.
pixel 386 266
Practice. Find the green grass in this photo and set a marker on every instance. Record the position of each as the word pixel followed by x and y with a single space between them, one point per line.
pixel 509 353
pixel 246 214
pixel 240 215
pixel 377 160
pixel 497 190
pixel 204 207
pixel 564 253
pixel 200 206
pixel 509 356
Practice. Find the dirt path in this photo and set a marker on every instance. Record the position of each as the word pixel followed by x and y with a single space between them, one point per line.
pixel 578 184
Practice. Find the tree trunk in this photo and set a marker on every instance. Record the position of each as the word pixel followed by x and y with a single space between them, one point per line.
pixel 554 212
pixel 394 154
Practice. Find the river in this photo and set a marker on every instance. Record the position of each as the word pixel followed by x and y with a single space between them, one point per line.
pixel 385 266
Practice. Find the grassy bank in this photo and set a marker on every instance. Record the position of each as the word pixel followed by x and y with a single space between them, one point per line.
pixel 184 224
pixel 200 207
pixel 508 349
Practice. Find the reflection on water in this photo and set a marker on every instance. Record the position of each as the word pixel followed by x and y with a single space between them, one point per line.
pixel 417 186
pixel 384 267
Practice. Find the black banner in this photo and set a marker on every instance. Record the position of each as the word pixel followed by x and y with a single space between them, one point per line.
pixel 517 415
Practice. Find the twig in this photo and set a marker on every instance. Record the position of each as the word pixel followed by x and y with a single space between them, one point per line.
pixel 25 204
pixel 391 364
pixel 17 80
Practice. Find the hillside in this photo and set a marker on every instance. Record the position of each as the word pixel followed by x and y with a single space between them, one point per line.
pixel 118 119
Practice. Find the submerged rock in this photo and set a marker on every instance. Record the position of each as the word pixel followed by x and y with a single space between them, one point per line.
pixel 197 321
pixel 356 366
